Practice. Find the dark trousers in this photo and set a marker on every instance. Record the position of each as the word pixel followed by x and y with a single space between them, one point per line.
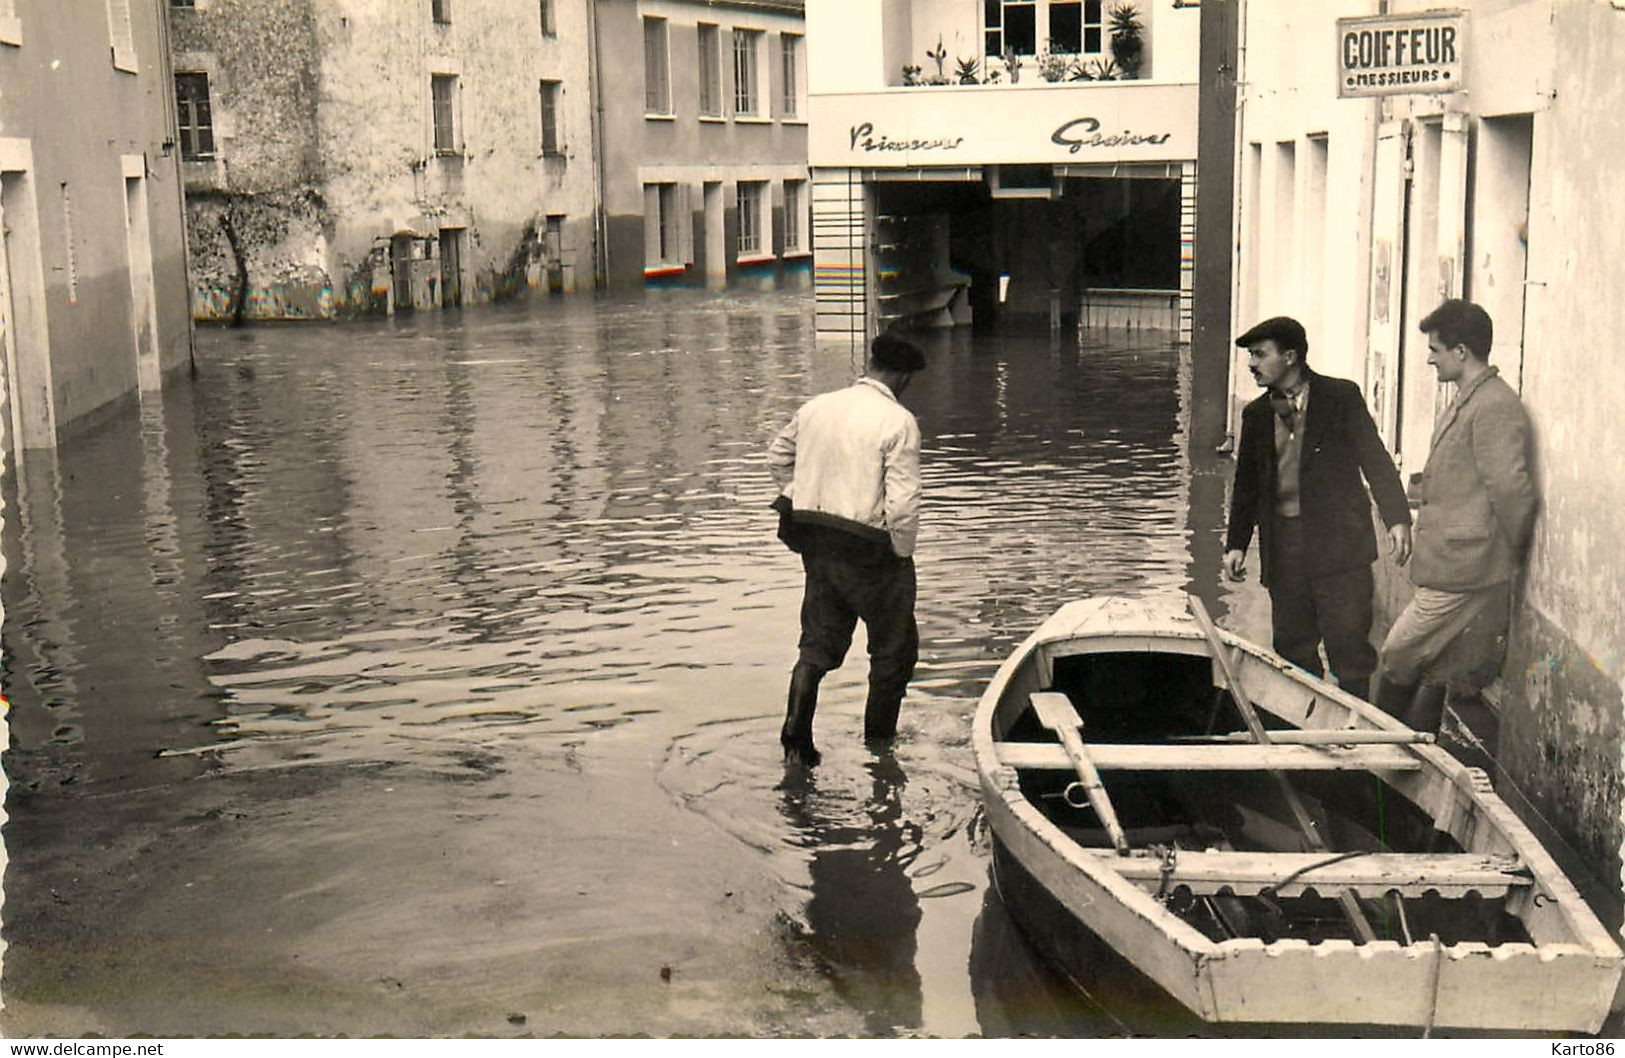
pixel 1305 610
pixel 839 592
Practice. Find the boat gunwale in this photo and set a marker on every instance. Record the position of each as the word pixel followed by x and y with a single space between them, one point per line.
pixel 1589 936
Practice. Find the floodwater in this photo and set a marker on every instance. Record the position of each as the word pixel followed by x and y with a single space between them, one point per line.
pixel 424 677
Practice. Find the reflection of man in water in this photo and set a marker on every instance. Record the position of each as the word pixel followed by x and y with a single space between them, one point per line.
pixel 849 464
pixel 863 913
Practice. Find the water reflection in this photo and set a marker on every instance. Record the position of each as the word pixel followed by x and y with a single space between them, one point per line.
pixel 862 912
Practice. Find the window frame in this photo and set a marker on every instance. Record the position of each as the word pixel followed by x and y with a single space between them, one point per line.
pixel 452 126
pixel 1092 20
pixel 790 48
pixel 550 91
pixel 797 218
pixel 708 52
pixel 748 240
pixel 188 132
pixel 657 101
pixel 747 88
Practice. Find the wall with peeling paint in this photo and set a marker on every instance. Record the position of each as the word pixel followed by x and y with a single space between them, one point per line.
pixel 692 150
pixel 82 127
pixel 1562 726
pixel 328 178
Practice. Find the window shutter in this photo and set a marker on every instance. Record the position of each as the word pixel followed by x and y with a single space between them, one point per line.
pixel 651 223
pixel 685 206
pixel 121 33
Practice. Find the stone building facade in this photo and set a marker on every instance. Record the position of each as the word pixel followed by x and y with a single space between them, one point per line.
pixel 374 156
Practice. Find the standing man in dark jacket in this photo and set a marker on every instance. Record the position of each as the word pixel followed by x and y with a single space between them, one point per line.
pixel 1475 512
pixel 1305 443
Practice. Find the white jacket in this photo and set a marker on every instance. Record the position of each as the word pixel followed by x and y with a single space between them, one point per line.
pixel 853 455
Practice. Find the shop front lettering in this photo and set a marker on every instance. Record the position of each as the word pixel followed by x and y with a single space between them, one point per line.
pixel 1085 132
pixel 863 136
pixel 1369 49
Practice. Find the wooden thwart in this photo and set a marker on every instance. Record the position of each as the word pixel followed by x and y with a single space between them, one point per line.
pixel 1055 712
pixel 1045 756
pixel 1449 874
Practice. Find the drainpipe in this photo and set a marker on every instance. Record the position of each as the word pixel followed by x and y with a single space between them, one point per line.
pixel 600 223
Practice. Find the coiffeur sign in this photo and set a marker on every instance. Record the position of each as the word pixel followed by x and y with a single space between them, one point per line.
pixel 1400 54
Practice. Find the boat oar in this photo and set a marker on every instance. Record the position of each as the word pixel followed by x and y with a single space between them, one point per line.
pixel 1054 711
pixel 1249 716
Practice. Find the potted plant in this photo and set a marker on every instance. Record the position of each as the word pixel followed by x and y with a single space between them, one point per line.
pixel 969 71
pixel 1128 41
pixel 1052 66
pixel 1103 70
pixel 938 55
pixel 911 74
pixel 1012 64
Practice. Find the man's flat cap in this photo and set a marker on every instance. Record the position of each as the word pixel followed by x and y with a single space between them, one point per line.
pixel 1286 332
pixel 895 354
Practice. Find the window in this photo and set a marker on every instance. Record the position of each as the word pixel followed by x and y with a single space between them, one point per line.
pixel 795 216
pixel 192 109
pixel 553 241
pixel 666 226
pixel 745 94
pixel 182 3
pixel 1028 26
pixel 441 11
pixel 789 46
pixel 443 88
pixel 750 217
pixel 550 117
pixel 123 35
pixel 710 44
pixel 550 28
pixel 656 73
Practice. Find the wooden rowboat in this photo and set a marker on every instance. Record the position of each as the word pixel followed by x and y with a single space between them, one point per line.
pixel 1263 847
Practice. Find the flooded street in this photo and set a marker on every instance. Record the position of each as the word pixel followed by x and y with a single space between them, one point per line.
pixel 425 677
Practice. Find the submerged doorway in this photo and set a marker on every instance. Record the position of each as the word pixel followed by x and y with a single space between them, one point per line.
pixel 451 267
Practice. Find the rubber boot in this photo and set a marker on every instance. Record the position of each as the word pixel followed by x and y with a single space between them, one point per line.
pixel 796 735
pixel 1393 697
pixel 1427 708
pixel 880 716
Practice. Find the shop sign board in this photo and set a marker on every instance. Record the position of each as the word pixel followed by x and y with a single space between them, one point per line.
pixel 1066 124
pixel 1401 54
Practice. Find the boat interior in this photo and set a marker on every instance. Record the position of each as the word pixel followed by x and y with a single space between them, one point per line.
pixel 1208 818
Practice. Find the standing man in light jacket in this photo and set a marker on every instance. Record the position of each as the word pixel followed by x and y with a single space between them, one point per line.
pixel 848 471
pixel 1475 510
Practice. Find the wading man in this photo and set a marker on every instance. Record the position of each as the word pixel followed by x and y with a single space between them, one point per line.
pixel 848 471
pixel 1305 444
pixel 1475 510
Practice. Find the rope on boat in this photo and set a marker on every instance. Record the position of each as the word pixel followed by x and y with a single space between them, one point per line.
pixel 1301 871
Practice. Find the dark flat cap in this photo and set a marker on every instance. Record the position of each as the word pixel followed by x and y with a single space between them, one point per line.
pixel 1286 332
pixel 895 354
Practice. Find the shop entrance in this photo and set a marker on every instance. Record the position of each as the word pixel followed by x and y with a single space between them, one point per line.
pixel 1027 246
